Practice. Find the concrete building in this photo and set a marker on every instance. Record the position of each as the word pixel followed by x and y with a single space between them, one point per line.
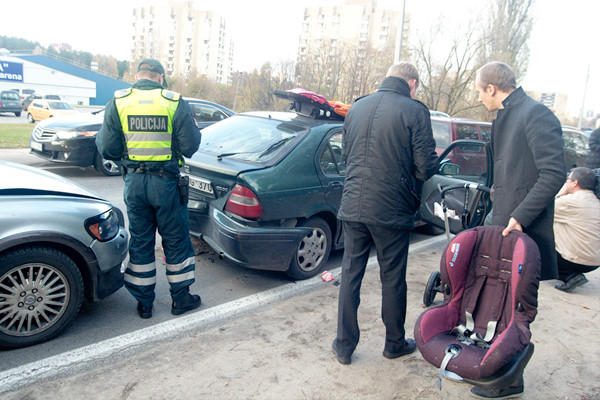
pixel 46 75
pixel 361 23
pixel 184 37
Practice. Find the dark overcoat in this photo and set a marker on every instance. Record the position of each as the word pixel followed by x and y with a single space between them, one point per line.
pixel 529 169
pixel 389 151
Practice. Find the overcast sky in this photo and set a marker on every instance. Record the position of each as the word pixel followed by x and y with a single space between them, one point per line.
pixel 563 42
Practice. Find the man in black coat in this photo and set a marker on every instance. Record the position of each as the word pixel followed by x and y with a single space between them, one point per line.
pixel 389 151
pixel 529 169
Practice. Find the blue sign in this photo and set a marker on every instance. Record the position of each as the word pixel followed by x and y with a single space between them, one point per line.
pixel 11 71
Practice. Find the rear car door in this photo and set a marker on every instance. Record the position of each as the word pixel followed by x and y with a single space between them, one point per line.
pixel 461 186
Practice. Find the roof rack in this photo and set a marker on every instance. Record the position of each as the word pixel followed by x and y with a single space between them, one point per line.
pixel 311 104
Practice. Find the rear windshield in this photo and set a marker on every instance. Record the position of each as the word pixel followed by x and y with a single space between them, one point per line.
pixel 9 96
pixel 250 138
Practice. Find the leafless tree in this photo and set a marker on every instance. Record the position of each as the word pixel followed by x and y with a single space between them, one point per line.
pixel 447 82
pixel 508 29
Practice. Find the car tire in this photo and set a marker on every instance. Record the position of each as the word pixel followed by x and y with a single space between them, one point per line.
pixel 30 118
pixel 313 250
pixel 106 167
pixel 18 114
pixel 41 291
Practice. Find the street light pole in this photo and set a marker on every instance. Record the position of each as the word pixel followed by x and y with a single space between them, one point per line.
pixel 400 35
pixel 582 110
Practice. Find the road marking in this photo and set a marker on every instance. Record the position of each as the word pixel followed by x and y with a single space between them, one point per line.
pixel 72 361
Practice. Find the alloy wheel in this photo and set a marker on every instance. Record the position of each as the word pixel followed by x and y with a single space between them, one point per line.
pixel 33 297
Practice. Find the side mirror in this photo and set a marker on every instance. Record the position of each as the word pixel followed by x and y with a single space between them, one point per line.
pixel 449 169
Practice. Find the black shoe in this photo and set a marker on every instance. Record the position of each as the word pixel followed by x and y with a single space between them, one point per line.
pixel 409 347
pixel 505 393
pixel 188 303
pixel 144 312
pixel 572 282
pixel 345 360
pixel 514 390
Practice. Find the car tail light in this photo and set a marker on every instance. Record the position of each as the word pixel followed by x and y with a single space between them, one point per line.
pixel 243 202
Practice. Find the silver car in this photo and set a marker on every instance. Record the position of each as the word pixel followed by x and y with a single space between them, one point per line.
pixel 59 244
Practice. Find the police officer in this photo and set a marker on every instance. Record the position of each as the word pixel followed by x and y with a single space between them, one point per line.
pixel 149 128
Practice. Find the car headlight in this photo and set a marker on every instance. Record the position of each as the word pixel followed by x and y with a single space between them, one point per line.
pixel 105 226
pixel 73 134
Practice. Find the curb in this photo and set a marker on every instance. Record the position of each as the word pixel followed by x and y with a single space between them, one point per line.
pixel 71 361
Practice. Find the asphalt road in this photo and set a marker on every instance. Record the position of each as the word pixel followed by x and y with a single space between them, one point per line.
pixel 217 281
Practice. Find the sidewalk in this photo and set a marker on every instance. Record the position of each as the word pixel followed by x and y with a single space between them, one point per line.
pixel 283 351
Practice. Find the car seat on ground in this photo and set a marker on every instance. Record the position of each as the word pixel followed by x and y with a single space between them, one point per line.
pixel 480 333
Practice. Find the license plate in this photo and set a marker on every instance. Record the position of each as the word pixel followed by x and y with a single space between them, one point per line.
pixel 37 146
pixel 202 185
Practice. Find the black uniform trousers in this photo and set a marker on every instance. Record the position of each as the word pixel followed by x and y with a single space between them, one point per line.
pixel 391 245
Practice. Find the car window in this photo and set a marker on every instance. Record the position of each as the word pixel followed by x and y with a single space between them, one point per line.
pixel 10 96
pixel 52 97
pixel 331 159
pixel 59 105
pixel 467 161
pixel 574 140
pixel 466 132
pixel 36 104
pixel 250 138
pixel 206 113
pixel 486 132
pixel 441 134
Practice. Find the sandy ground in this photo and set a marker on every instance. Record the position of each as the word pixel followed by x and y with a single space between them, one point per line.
pixel 283 352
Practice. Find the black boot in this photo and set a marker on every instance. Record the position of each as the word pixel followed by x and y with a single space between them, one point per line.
pixel 187 303
pixel 143 311
pixel 512 391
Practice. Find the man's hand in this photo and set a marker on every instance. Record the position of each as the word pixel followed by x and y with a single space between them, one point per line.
pixel 513 225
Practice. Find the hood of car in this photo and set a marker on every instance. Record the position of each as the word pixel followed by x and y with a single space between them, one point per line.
pixel 72 121
pixel 23 180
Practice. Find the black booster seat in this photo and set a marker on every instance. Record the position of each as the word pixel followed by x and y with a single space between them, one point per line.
pixel 480 333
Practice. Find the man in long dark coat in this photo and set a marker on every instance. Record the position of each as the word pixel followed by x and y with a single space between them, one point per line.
pixel 389 151
pixel 529 169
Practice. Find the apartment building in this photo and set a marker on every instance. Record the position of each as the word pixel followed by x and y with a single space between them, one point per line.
pixel 360 23
pixel 185 37
pixel 345 48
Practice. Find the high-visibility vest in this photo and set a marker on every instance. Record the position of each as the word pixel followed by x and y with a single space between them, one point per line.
pixel 147 120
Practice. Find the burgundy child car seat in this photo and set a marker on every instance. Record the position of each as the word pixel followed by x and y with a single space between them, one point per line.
pixel 480 334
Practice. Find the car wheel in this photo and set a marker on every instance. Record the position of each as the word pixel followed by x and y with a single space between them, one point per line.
pixel 106 167
pixel 30 118
pixel 313 250
pixel 18 114
pixel 430 230
pixel 41 291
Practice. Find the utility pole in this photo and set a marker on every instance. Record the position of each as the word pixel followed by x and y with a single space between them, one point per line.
pixel 582 110
pixel 400 35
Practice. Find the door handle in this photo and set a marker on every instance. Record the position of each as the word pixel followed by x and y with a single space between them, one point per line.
pixel 336 185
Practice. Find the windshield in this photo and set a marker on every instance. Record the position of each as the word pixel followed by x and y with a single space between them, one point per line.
pixel 249 138
pixel 59 105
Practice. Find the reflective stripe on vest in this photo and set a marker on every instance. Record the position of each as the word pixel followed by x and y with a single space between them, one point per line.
pixel 147 121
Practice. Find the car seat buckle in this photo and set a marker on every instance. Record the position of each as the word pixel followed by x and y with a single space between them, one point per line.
pixel 452 351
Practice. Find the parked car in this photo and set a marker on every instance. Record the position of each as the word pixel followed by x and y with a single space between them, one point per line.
pixel 40 110
pixel 28 99
pixel 265 188
pixel 10 102
pixel 59 244
pixel 73 140
pixel 576 147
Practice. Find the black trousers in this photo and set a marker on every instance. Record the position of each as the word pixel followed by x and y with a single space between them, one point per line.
pixel 567 268
pixel 391 245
